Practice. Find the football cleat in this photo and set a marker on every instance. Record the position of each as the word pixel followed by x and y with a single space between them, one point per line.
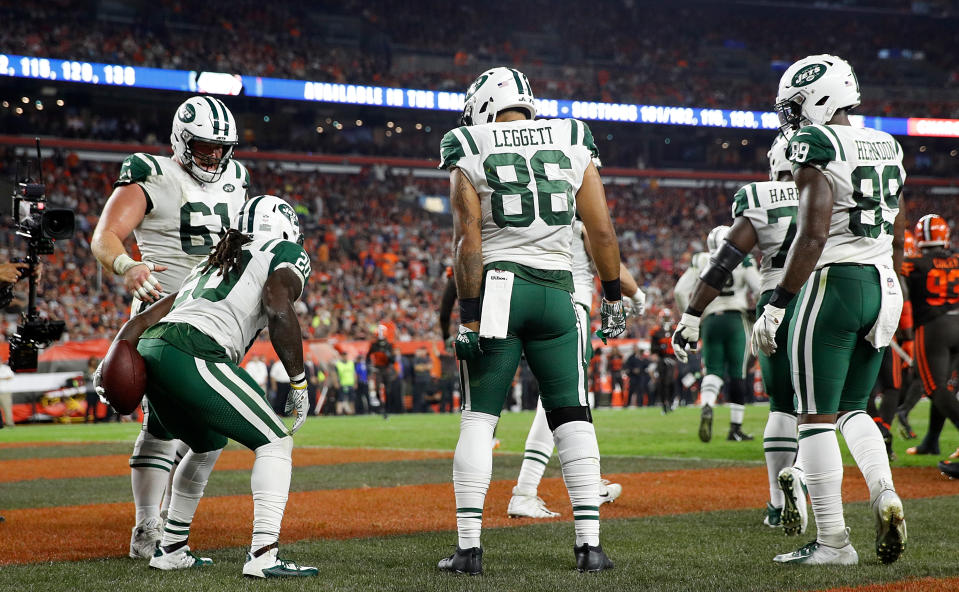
pixel 463 561
pixel 887 440
pixel 182 558
pixel 706 423
pixel 268 565
pixel 890 526
pixel 736 434
pixel 795 514
pixel 816 553
pixel 608 492
pixel 949 469
pixel 145 538
pixel 905 429
pixel 773 517
pixel 591 559
pixel 528 506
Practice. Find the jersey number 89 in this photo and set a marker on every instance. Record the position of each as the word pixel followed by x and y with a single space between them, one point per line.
pixel 545 188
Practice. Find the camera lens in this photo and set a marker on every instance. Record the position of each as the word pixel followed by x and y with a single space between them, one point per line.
pixel 57 224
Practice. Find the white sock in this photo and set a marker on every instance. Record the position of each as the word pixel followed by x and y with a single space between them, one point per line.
pixel 579 457
pixel 150 466
pixel 736 413
pixel 865 443
pixel 270 482
pixel 709 389
pixel 539 447
pixel 472 471
pixel 189 481
pixel 779 445
pixel 181 449
pixel 822 462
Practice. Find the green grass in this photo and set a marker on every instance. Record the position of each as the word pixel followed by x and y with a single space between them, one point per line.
pixel 720 551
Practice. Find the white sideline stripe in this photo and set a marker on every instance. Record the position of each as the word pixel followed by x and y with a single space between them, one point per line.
pixel 794 347
pixel 233 400
pixel 807 347
pixel 582 336
pixel 465 379
pixel 257 398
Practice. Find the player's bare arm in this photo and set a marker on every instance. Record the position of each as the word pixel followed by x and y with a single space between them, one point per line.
pixel 280 292
pixel 592 208
pixel 135 327
pixel 627 281
pixel 815 212
pixel 742 236
pixel 467 242
pixel 123 212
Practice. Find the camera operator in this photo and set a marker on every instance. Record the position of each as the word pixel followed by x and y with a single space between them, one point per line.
pixel 10 273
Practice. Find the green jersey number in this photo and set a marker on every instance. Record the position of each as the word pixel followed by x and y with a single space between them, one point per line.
pixel 211 285
pixel 773 216
pixel 545 188
pixel 188 231
pixel 878 183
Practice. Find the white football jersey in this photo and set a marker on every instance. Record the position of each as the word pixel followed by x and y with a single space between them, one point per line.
pixel 527 174
pixel 583 282
pixel 864 169
pixel 230 310
pixel 184 217
pixel 771 208
pixel 733 296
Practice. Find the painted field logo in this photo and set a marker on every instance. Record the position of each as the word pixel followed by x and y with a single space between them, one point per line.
pixel 187 113
pixel 809 74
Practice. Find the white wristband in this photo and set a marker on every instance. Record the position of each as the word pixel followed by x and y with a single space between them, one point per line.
pixel 298 379
pixel 123 263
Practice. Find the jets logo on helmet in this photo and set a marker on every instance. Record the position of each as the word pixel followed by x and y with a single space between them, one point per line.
pixel 204 119
pixel 494 91
pixel 813 89
pixel 268 216
pixel 778 163
pixel 716 237
pixel 932 230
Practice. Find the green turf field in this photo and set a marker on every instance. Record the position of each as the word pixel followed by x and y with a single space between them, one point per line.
pixel 701 550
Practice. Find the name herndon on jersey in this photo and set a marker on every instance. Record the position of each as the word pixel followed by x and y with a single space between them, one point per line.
pixel 522 137
pixel 876 150
pixel 778 194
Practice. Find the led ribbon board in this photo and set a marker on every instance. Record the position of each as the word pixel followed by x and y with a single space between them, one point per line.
pixel 379 96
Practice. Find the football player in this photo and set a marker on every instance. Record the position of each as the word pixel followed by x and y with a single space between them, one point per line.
pixel 525 501
pixel 764 215
pixel 843 265
pixel 192 342
pixel 724 333
pixel 516 184
pixel 175 207
pixel 932 280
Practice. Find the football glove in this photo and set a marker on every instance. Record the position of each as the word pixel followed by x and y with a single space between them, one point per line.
pixel 612 318
pixel 467 344
pixel 298 399
pixel 635 305
pixel 686 336
pixel 97 379
pixel 763 338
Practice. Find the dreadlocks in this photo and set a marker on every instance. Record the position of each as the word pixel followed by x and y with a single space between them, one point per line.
pixel 226 254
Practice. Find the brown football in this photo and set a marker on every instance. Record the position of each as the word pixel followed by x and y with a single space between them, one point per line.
pixel 123 377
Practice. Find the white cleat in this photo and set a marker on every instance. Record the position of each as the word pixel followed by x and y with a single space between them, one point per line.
pixel 816 553
pixel 145 538
pixel 268 565
pixel 528 506
pixel 608 492
pixel 890 526
pixel 182 558
pixel 795 514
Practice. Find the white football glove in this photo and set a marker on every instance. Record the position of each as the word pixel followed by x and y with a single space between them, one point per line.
pixel 686 336
pixel 635 305
pixel 97 378
pixel 299 400
pixel 764 331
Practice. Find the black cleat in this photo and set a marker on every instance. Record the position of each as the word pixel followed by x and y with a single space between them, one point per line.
pixel 464 561
pixel 706 424
pixel 887 440
pixel 736 434
pixel 591 559
pixel 905 430
pixel 949 469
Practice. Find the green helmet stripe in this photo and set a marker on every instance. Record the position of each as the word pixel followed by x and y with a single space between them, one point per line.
pixel 226 115
pixel 519 83
pixel 249 214
pixel 216 115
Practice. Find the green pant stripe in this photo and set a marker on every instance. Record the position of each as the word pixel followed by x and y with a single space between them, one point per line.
pixel 176 531
pixel 147 457
pixel 469 510
pixel 806 433
pixel 585 517
pixel 535 459
pixel 177 523
pixel 151 466
pixel 779 439
pixel 259 417
pixel 848 416
pixel 780 449
pixel 593 508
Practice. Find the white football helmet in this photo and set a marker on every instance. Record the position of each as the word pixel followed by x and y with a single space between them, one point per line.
pixel 268 216
pixel 716 237
pixel 778 163
pixel 206 119
pixel 494 91
pixel 813 89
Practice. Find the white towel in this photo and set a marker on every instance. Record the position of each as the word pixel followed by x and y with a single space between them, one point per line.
pixel 497 294
pixel 890 308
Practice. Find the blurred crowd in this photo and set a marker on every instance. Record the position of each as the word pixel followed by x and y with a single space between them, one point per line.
pixel 694 54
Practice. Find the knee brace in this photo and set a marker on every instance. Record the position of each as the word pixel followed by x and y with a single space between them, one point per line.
pixel 561 415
